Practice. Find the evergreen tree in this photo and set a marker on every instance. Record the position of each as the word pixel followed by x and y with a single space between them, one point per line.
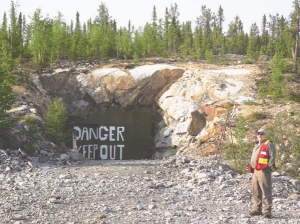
pixel 253 44
pixel 206 20
pixel 264 36
pixel 154 17
pixel 220 19
pixel 295 28
pixel 55 121
pixel 198 39
pixel 94 41
pixel 77 45
pixel 232 36
pixel 103 17
pixel 15 31
pixel 6 82
pixel 139 45
pixel 186 47
pixel 60 39
pixel 46 39
pixel 41 32
pixel 19 37
pixel 25 38
pixel 124 44
pixel 174 38
pixel 273 25
pixel 151 37
pixel 282 47
pixel 102 35
pixel 218 44
pixel 236 38
pixel 166 30
pixel 4 38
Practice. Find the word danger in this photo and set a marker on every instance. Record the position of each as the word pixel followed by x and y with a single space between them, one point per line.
pixel 111 134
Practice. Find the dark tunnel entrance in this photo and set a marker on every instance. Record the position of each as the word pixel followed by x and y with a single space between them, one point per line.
pixel 115 134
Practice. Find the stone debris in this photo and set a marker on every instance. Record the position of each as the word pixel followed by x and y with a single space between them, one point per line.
pixel 173 190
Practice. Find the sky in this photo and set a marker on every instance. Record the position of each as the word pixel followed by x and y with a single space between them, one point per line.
pixel 139 12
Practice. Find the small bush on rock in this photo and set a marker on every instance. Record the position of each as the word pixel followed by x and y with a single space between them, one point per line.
pixel 248 61
pixel 286 136
pixel 256 116
pixel 209 56
pixel 32 135
pixel 55 121
pixel 238 150
pixel 6 99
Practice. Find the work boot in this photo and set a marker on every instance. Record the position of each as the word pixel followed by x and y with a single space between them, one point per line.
pixel 267 215
pixel 254 213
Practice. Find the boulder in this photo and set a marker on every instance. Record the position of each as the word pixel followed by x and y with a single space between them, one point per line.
pixel 81 92
pixel 197 124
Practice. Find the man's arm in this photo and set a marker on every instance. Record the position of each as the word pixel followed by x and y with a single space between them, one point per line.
pixel 272 154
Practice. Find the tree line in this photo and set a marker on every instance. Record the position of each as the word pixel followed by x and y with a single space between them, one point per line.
pixel 45 39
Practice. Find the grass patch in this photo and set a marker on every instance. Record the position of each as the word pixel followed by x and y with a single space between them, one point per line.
pixel 256 116
pixel 29 120
pixel 248 62
pixel 251 103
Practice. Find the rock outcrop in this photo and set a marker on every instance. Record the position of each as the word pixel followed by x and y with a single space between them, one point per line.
pixel 106 86
pixel 189 103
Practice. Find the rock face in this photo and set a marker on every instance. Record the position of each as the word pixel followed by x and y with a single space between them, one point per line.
pixel 103 87
pixel 193 106
pixel 198 122
pixel 189 103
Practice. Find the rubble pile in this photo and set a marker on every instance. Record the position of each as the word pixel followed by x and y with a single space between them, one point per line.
pixel 18 160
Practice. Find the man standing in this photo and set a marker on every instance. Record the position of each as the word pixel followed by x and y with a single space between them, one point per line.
pixel 262 162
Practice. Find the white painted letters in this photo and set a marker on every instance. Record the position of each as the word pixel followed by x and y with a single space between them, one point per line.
pixel 95 134
pixel 103 151
pixel 104 136
pixel 86 132
pixel 94 151
pixel 121 150
pixel 120 130
pixel 79 132
pixel 111 135
pixel 112 155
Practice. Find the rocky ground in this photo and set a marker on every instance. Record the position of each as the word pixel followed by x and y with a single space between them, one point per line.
pixel 174 190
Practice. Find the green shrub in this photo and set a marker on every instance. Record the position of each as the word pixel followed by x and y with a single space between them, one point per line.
pixel 32 135
pixel 256 116
pixel 275 84
pixel 286 138
pixel 280 63
pixel 238 152
pixel 222 57
pixel 136 58
pixel 6 98
pixel 55 121
pixel 248 61
pixel 209 55
pixel 251 103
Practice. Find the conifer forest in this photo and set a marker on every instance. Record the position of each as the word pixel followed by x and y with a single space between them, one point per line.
pixel 43 39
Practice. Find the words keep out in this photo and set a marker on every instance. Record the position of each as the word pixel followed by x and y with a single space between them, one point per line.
pixel 112 135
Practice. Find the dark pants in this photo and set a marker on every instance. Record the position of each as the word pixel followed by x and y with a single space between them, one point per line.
pixel 262 190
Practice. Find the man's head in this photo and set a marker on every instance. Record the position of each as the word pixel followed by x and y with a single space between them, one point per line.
pixel 261 134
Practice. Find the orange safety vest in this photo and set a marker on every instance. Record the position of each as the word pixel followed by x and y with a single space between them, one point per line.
pixel 262 159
